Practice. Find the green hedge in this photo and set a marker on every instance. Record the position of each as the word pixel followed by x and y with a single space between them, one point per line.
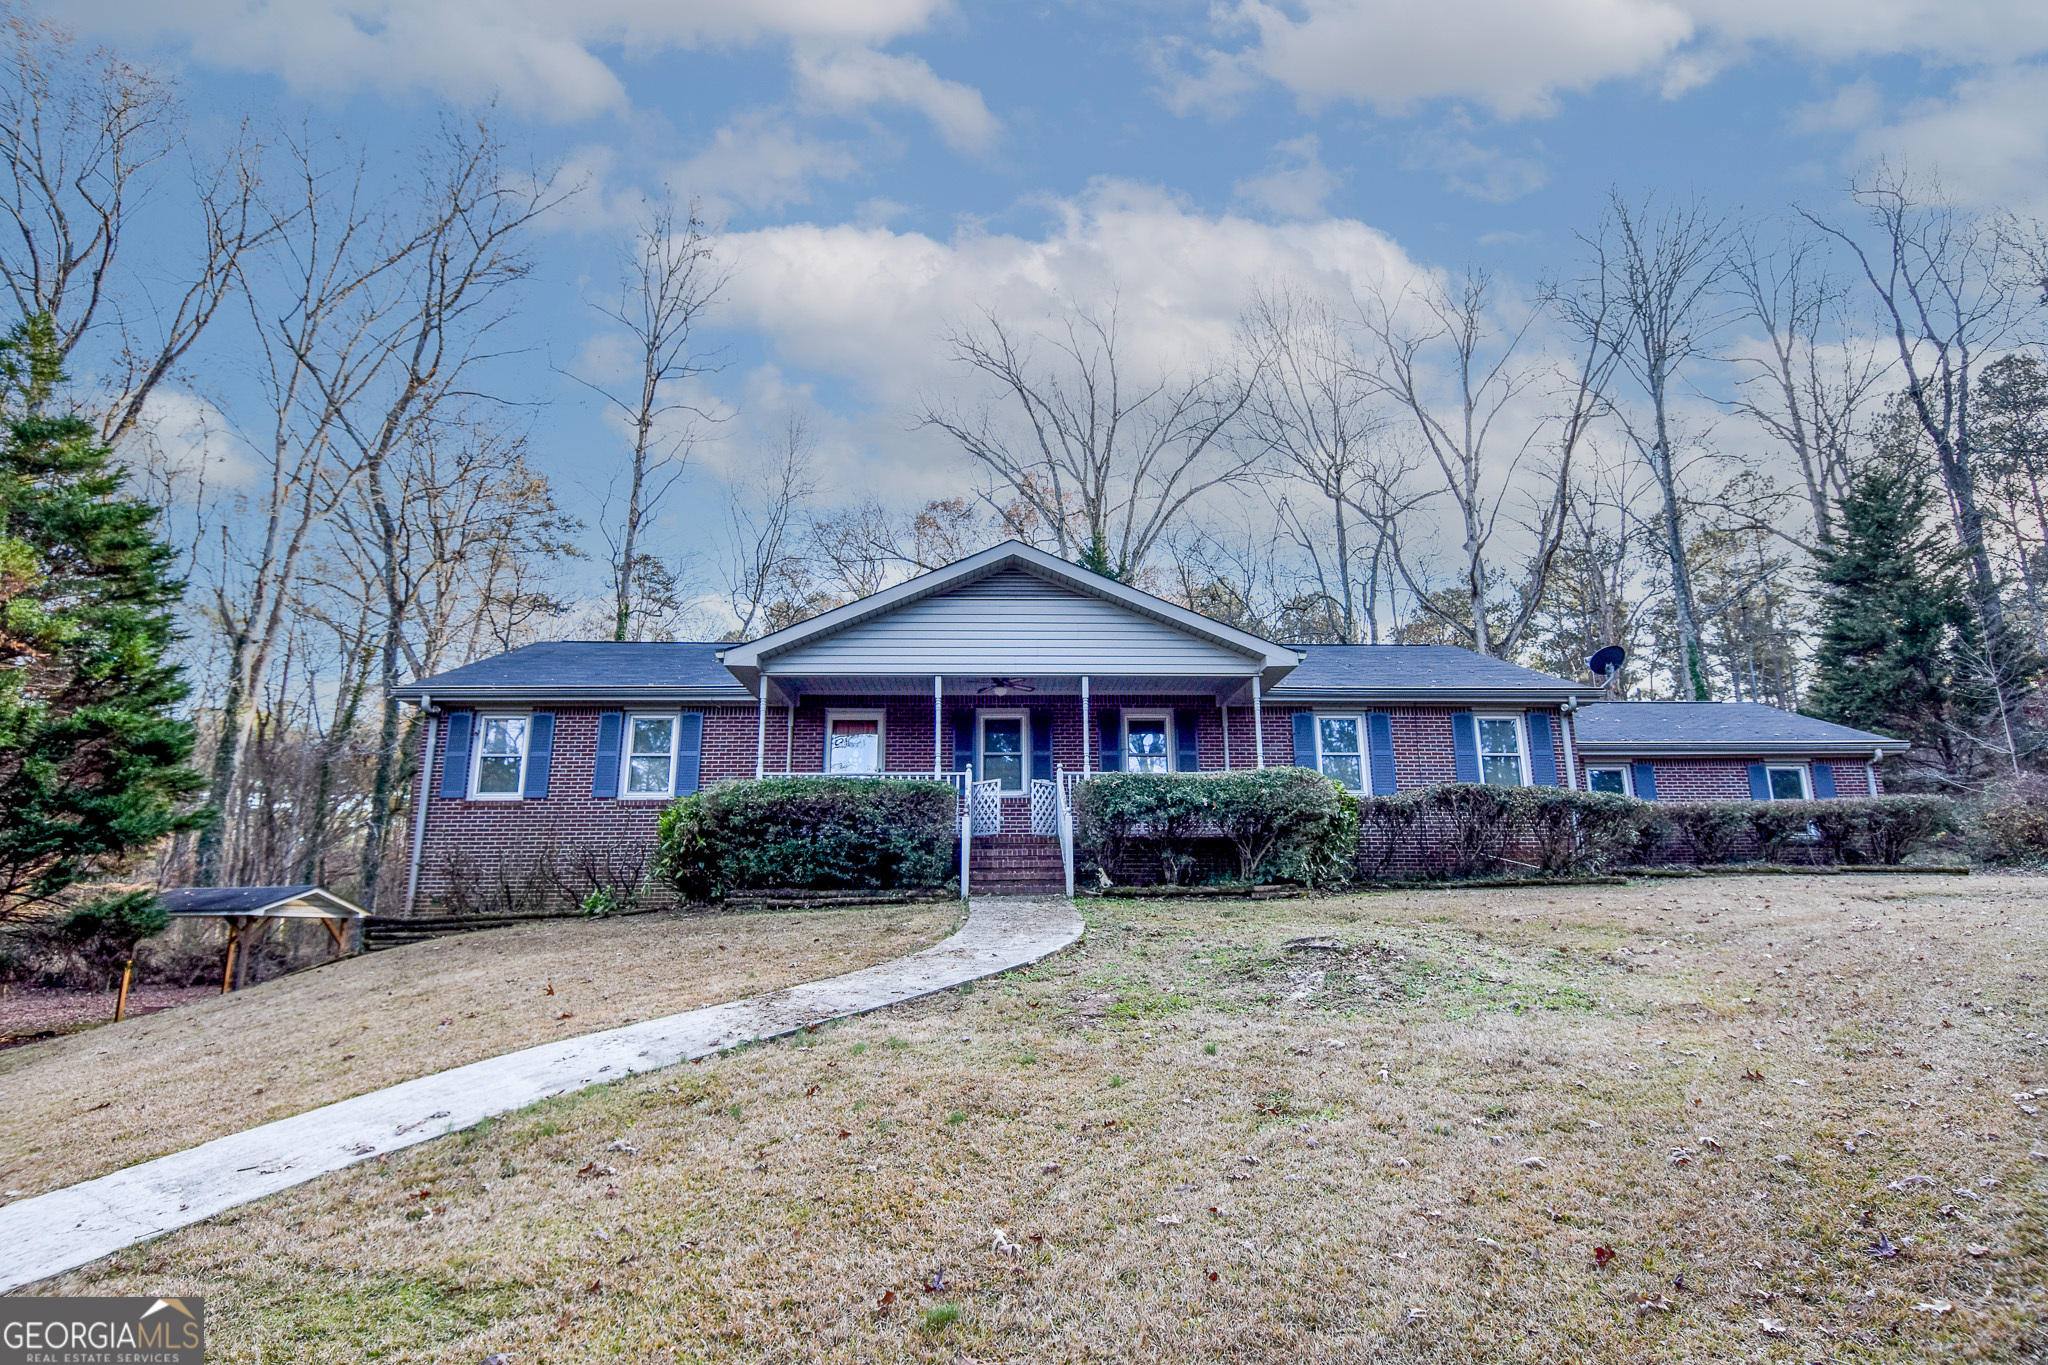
pixel 1467 829
pixel 813 833
pixel 1865 829
pixel 2010 824
pixel 1289 824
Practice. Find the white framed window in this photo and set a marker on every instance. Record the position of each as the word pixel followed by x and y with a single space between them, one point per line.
pixel 1004 741
pixel 1340 749
pixel 1787 782
pixel 649 757
pixel 853 741
pixel 1148 741
pixel 1501 761
pixel 497 772
pixel 1616 781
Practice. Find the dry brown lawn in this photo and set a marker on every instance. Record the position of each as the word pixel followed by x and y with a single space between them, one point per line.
pixel 1397 1128
pixel 79 1106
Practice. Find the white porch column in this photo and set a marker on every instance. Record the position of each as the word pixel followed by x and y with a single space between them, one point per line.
pixel 938 704
pixel 1087 729
pixel 761 733
pixel 1258 722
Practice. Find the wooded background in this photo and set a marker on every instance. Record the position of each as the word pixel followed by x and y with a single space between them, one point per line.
pixel 1793 457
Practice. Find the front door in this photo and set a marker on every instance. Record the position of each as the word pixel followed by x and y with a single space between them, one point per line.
pixel 1005 750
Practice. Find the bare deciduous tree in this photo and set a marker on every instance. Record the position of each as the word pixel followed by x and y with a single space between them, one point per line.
pixel 1487 385
pixel 1650 292
pixel 672 278
pixel 1313 414
pixel 1810 390
pixel 1106 461
pixel 766 575
pixel 1954 289
pixel 81 135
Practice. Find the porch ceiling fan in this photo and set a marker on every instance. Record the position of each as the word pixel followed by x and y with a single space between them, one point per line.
pixel 1003 687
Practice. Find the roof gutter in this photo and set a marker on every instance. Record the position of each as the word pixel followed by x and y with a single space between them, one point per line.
pixel 1736 748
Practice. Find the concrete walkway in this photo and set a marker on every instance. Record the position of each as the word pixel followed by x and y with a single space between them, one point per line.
pixel 66 1228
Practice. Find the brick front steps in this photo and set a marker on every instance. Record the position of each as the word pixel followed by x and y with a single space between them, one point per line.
pixel 1017 865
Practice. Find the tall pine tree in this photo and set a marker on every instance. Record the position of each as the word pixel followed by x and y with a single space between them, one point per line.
pixel 92 754
pixel 1897 634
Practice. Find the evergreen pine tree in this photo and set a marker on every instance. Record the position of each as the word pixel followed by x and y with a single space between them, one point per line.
pixel 92 755
pixel 1097 559
pixel 1896 629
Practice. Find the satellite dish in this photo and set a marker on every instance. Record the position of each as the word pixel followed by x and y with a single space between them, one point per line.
pixel 1607 662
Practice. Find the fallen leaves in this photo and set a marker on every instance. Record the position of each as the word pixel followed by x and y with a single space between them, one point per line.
pixel 1752 1075
pixel 1770 1327
pixel 1934 1306
pixel 1602 1255
pixel 595 1171
pixel 1882 1248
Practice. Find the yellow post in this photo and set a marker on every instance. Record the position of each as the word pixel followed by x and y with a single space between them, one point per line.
pixel 227 973
pixel 121 1004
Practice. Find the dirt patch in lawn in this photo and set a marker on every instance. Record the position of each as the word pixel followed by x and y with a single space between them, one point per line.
pixel 1721 1119
pixel 30 1014
pixel 79 1106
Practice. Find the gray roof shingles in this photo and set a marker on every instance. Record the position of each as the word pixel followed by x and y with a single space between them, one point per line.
pixel 579 666
pixel 1420 668
pixel 1729 725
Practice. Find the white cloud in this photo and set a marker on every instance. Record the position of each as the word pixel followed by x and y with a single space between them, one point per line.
pixel 535 55
pixel 850 80
pixel 1516 57
pixel 1987 142
pixel 1294 184
pixel 1513 56
pixel 870 307
pixel 1485 173
pixel 763 161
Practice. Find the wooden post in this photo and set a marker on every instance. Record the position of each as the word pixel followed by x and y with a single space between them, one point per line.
pixel 227 972
pixel 121 1003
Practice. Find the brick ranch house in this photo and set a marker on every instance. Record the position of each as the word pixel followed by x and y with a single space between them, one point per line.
pixel 1014 674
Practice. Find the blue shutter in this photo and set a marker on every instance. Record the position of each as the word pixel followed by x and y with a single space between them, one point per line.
pixel 1759 783
pixel 689 752
pixel 1823 782
pixel 1111 734
pixel 455 759
pixel 1646 781
pixel 1041 745
pixel 540 754
pixel 1304 739
pixel 963 743
pixel 1379 729
pixel 1542 758
pixel 1187 735
pixel 604 778
pixel 1465 745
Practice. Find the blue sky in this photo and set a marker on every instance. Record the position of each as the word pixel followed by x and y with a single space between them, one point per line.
pixel 883 167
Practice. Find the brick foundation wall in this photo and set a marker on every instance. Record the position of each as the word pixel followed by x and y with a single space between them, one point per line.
pixel 1727 779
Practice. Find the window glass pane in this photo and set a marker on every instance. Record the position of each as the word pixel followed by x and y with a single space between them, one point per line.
pixel 502 750
pixel 653 734
pixel 856 747
pixel 1500 752
pixel 1145 746
pixel 647 775
pixel 1787 784
pixel 1345 768
pixel 1002 753
pixel 1340 734
pixel 1607 780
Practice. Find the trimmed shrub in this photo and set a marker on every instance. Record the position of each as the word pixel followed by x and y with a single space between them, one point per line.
pixel 1466 829
pixel 1712 831
pixel 1292 824
pixel 1867 829
pixel 810 833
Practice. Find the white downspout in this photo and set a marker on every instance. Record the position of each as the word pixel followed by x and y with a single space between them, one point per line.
pixel 1870 770
pixel 1258 722
pixel 761 733
pixel 1570 714
pixel 419 816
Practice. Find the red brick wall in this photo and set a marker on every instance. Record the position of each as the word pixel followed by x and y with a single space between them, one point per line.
pixel 1727 779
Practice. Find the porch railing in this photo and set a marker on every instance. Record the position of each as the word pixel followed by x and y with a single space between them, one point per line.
pixel 1063 821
